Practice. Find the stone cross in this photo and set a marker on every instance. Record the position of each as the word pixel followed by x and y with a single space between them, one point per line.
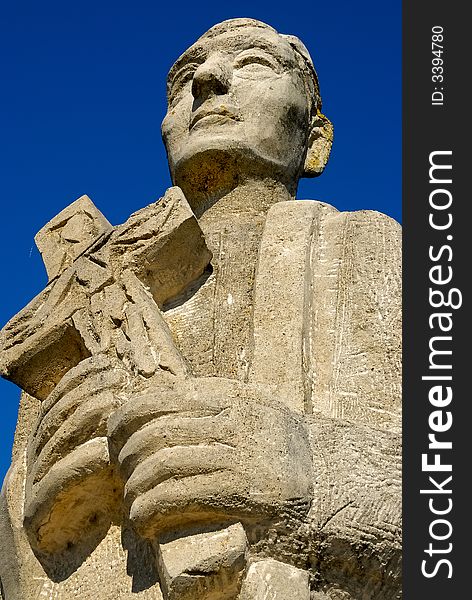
pixel 94 267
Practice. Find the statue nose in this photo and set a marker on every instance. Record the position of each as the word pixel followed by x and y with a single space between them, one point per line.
pixel 212 78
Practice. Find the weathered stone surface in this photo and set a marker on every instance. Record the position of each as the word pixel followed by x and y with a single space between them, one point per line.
pixel 63 349
pixel 272 580
pixel 326 306
pixel 69 234
pixel 204 565
pixel 199 451
pixel 211 406
pixel 91 307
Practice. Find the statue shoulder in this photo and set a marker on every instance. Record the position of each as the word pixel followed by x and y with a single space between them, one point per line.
pixel 343 273
pixel 318 207
pixel 302 213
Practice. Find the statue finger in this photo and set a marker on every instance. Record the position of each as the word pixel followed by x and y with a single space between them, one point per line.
pixel 66 406
pixel 76 498
pixel 99 372
pixel 178 463
pixel 214 495
pixel 161 402
pixel 87 422
pixel 169 431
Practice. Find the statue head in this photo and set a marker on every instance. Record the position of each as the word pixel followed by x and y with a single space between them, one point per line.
pixel 244 103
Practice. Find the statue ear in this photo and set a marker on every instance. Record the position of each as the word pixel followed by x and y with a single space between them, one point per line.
pixel 320 141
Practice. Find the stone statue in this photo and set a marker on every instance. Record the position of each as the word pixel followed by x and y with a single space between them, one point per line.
pixel 211 391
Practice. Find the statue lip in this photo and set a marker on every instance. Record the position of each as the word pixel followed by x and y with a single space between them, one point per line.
pixel 216 111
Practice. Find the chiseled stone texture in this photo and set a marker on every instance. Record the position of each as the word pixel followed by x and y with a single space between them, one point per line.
pixel 271 580
pixel 69 234
pixel 211 399
pixel 203 565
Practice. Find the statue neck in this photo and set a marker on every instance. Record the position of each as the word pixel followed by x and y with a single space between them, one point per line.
pixel 251 198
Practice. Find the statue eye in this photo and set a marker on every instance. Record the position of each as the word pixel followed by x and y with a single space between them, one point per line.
pixel 182 77
pixel 256 65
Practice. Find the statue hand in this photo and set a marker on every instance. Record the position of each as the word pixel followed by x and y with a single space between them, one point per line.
pixel 209 449
pixel 68 461
pixel 71 483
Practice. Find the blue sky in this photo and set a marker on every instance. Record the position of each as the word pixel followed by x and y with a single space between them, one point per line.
pixel 84 95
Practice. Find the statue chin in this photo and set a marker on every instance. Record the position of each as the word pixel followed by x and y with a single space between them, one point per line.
pixel 207 171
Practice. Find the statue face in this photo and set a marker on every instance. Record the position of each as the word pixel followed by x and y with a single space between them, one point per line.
pixel 237 107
